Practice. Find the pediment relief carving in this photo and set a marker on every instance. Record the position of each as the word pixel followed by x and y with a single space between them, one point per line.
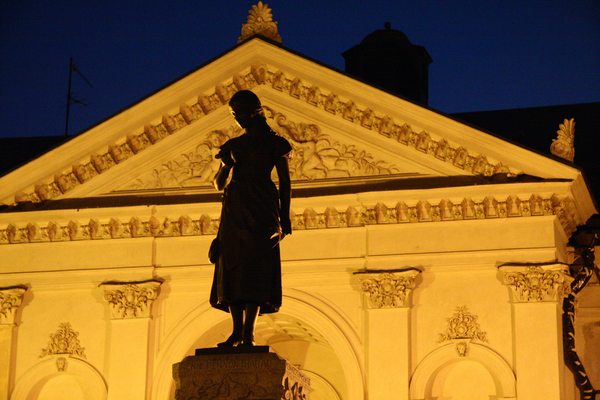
pixel 132 144
pixel 315 155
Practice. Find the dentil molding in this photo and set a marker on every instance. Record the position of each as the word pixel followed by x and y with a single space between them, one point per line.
pixel 561 206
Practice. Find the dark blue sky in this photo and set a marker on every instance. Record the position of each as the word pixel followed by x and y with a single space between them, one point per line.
pixel 487 55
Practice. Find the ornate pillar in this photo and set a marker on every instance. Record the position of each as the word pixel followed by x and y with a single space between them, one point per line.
pixel 130 305
pixel 537 294
pixel 388 332
pixel 10 301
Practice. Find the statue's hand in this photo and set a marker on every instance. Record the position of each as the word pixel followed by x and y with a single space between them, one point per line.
pixel 226 158
pixel 286 226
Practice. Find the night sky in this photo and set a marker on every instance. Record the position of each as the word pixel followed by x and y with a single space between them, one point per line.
pixel 486 55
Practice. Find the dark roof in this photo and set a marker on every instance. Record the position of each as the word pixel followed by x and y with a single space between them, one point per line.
pixel 18 151
pixel 535 128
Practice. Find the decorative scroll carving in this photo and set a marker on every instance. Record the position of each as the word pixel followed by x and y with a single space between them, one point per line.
pixel 388 290
pixel 64 341
pixel 461 329
pixel 260 22
pixel 564 145
pixel 131 299
pixel 537 283
pixel 10 301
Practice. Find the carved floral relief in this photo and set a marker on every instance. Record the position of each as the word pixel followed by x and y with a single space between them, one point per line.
pixel 537 283
pixel 10 301
pixel 388 290
pixel 131 300
pixel 462 328
pixel 64 341
pixel 315 155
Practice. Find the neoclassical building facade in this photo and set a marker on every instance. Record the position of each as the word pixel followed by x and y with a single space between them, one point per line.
pixel 428 259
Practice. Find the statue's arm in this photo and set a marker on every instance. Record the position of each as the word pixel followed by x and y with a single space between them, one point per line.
pixel 285 194
pixel 222 176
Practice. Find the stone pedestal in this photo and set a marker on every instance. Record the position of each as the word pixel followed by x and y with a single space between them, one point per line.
pixel 253 373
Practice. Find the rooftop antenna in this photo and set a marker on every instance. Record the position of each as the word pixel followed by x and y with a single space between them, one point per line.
pixel 70 98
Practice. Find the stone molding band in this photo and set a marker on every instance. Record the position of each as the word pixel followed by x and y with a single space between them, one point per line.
pixel 561 206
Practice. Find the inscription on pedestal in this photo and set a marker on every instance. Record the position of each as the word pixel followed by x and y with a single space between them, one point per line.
pixel 236 375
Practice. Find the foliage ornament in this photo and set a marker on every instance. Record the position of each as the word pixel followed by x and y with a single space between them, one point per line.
pixel 64 341
pixel 129 300
pixel 388 289
pixel 564 145
pixel 10 301
pixel 537 283
pixel 462 325
pixel 260 22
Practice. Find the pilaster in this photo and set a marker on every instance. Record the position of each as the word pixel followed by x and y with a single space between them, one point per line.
pixel 10 301
pixel 537 294
pixel 130 304
pixel 388 332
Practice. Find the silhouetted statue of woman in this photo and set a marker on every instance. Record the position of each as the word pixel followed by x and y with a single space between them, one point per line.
pixel 254 218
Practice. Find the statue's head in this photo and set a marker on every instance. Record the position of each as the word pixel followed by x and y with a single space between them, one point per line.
pixel 245 106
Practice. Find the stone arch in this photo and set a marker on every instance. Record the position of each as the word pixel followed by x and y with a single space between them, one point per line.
pixel 428 369
pixel 341 336
pixel 90 381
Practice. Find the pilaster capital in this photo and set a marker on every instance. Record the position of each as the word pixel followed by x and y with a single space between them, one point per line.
pixel 388 288
pixel 128 300
pixel 533 283
pixel 10 301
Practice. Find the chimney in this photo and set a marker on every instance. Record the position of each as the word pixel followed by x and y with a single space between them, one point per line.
pixel 388 60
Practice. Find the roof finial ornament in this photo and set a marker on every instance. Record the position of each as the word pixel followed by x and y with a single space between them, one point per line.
pixel 260 22
pixel 564 145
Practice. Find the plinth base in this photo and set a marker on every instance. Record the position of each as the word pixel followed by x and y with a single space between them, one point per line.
pixel 250 373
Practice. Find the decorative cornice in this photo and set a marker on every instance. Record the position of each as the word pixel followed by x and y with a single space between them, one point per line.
pixel 128 300
pixel 461 329
pixel 388 289
pixel 64 341
pixel 10 301
pixel 260 22
pixel 531 283
pixel 423 211
pixel 260 74
pixel 564 145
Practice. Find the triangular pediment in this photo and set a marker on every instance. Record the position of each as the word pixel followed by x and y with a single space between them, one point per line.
pixel 340 128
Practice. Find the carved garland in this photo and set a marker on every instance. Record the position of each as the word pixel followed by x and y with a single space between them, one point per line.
pixel 490 208
pixel 258 74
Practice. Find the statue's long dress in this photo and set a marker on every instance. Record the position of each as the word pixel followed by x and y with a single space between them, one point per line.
pixel 249 268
